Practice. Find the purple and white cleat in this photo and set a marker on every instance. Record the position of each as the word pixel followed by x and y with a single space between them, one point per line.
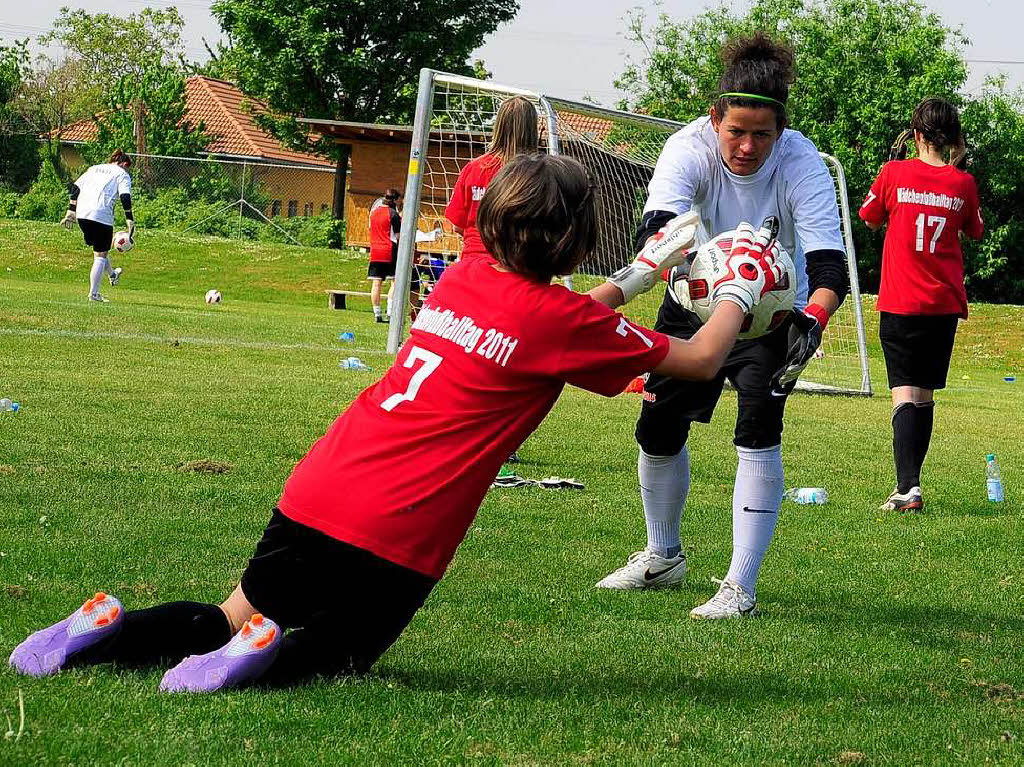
pixel 249 653
pixel 46 651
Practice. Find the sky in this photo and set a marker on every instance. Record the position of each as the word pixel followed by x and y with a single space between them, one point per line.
pixel 571 48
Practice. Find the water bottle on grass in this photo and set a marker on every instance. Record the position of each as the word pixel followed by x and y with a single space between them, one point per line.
pixel 994 479
pixel 807 495
pixel 8 406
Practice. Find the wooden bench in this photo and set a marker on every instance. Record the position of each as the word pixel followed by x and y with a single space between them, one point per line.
pixel 336 298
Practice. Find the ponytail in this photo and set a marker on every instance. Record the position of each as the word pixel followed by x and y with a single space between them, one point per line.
pixel 119 157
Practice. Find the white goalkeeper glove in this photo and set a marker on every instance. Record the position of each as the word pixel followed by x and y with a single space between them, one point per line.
pixel 68 222
pixel 744 264
pixel 663 250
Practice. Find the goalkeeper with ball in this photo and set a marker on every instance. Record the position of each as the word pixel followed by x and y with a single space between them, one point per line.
pixel 738 163
pixel 92 203
pixel 368 521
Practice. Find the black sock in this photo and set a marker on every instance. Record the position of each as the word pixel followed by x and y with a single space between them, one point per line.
pixel 164 634
pixel 904 444
pixel 924 418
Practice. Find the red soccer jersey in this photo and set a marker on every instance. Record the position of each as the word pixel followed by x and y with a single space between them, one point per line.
pixel 403 470
pixel 927 207
pixel 465 202
pixel 380 233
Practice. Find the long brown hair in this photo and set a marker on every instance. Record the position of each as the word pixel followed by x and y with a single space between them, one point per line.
pixel 538 216
pixel 515 129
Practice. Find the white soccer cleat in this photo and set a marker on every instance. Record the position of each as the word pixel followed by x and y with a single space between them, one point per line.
pixel 97 297
pixel 115 276
pixel 647 570
pixel 731 601
pixel 908 501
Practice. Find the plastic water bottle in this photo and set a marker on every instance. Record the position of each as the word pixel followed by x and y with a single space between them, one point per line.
pixel 8 406
pixel 347 336
pixel 994 479
pixel 807 495
pixel 353 363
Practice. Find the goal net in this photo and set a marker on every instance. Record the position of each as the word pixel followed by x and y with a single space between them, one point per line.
pixel 453 125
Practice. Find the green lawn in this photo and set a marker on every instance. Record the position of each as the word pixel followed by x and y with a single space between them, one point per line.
pixel 885 639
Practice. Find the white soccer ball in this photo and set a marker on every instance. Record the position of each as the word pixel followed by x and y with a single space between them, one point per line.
pixel 694 293
pixel 213 296
pixel 122 242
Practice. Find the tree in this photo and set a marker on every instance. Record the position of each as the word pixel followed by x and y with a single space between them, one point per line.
pixel 153 102
pixel 19 152
pixel 862 67
pixel 112 47
pixel 994 125
pixel 353 60
pixel 54 95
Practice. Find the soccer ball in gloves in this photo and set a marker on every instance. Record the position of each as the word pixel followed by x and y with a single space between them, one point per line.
pixel 694 291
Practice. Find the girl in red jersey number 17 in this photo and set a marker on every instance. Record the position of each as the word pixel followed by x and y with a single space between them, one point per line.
pixel 367 522
pixel 927 203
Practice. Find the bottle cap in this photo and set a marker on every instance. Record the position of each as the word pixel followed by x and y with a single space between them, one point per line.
pixel 990 457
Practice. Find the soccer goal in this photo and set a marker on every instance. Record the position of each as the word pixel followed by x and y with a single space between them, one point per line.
pixel 454 116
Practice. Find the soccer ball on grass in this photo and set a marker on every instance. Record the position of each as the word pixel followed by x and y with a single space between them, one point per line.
pixel 213 296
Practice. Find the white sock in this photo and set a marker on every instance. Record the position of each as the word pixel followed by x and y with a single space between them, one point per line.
pixel 389 305
pixel 107 267
pixel 99 268
pixel 664 483
pixel 376 311
pixel 756 498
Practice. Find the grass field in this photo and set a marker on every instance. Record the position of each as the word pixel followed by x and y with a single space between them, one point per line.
pixel 885 639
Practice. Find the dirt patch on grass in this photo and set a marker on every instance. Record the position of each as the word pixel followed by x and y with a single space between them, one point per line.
pixel 15 591
pixel 6 468
pixel 1001 692
pixel 851 757
pixel 205 466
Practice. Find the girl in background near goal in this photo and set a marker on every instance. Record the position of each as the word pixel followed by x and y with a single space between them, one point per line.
pixel 385 224
pixel 515 133
pixel 927 203
pixel 368 523
pixel 92 202
pixel 740 163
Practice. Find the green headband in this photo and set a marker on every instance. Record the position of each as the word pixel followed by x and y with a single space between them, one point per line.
pixel 756 97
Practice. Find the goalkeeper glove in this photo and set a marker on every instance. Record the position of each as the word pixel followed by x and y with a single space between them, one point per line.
pixel 749 270
pixel 68 222
pixel 665 249
pixel 131 229
pixel 805 329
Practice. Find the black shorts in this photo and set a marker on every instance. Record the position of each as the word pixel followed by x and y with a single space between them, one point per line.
pixel 382 270
pixel 98 235
pixel 917 348
pixel 671 405
pixel 349 604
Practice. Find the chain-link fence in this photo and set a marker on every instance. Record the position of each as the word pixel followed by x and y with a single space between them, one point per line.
pixel 237 198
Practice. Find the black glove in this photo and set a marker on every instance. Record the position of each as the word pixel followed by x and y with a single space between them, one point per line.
pixel 804 340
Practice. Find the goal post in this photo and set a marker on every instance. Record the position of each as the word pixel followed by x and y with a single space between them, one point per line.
pixel 454 119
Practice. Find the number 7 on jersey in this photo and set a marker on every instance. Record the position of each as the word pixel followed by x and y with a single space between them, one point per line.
pixel 430 362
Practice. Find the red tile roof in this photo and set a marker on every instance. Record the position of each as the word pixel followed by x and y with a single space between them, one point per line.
pixel 228 116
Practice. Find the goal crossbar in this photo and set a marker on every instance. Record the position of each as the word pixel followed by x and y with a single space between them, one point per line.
pixel 454 117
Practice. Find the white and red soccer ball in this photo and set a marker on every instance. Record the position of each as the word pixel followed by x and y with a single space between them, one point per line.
pixel 122 242
pixel 694 293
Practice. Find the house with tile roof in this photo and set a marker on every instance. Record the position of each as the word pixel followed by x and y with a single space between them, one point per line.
pixel 295 183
